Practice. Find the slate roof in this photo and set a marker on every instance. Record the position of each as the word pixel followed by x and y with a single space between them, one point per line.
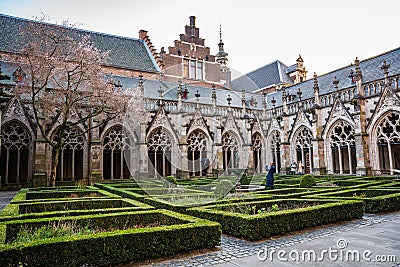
pixel 129 53
pixel 371 71
pixel 270 74
pixel 170 89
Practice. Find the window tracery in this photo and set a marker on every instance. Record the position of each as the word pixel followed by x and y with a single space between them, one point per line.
pixel 342 142
pixel 15 153
pixel 230 151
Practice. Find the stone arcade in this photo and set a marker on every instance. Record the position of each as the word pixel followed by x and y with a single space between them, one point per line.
pixel 199 122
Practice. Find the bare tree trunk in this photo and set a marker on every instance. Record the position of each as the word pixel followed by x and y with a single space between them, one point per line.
pixel 54 164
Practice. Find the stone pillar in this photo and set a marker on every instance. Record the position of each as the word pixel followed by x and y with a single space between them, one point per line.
pixel 319 167
pixel 95 171
pixel 183 163
pixel 218 165
pixel 243 103
pixel 141 152
pixel 361 136
pixel 42 161
pixel 285 168
pixel 179 105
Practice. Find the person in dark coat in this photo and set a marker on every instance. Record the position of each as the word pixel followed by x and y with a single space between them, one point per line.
pixel 270 176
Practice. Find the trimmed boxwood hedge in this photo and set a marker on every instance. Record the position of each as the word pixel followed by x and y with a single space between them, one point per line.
pixel 256 227
pixel 103 222
pixel 375 200
pixel 115 247
pixel 80 204
pixel 63 194
pixel 10 212
pixel 28 195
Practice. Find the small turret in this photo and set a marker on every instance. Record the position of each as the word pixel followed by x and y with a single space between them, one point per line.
pixel 221 56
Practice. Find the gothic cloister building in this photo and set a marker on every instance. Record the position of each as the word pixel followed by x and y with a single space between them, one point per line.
pixel 198 122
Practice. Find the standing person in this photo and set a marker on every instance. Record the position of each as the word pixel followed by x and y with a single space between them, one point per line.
pixel 270 176
pixel 301 167
pixel 293 167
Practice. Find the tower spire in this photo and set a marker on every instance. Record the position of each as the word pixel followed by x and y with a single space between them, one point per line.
pixel 222 55
pixel 222 58
pixel 220 34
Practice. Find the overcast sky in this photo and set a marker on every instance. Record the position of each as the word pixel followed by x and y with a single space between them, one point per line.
pixel 327 34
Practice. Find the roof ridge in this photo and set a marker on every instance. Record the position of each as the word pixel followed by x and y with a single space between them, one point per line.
pixel 70 28
pixel 280 70
pixel 350 65
pixel 381 54
pixel 275 61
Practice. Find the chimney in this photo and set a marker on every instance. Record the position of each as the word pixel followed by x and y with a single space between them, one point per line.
pixel 192 21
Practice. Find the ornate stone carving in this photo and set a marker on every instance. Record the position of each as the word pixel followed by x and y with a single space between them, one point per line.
pixel 116 139
pixel 159 140
pixel 229 142
pixel 15 136
pixel 301 119
pixel 161 118
pixel 197 141
pixel 303 138
pixel 15 110
pixel 256 142
pixel 341 134
pixel 388 130
pixel 256 126
pixel 73 140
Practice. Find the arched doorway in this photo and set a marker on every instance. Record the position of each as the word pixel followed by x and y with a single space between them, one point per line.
pixel 343 150
pixel 159 153
pixel 15 153
pixel 256 144
pixel 230 151
pixel 116 154
pixel 275 149
pixel 303 148
pixel 70 159
pixel 197 153
pixel 388 139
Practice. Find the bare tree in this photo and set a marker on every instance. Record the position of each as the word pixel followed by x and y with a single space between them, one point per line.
pixel 65 85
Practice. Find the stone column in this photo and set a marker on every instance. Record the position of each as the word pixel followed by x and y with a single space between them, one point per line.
pixel 42 161
pixel 285 146
pixel 361 136
pixel 183 148
pixel 142 152
pixel 95 171
pixel 218 165
pixel 319 167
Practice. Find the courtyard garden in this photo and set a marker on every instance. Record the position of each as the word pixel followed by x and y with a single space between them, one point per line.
pixel 126 221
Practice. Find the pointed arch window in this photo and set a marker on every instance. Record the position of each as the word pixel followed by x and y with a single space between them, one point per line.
pixel 159 153
pixel 304 150
pixel 117 150
pixel 15 153
pixel 197 152
pixel 388 137
pixel 230 152
pixel 70 159
pixel 342 143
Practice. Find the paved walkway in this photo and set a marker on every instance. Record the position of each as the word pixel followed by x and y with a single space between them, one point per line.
pixel 372 238
pixel 5 198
